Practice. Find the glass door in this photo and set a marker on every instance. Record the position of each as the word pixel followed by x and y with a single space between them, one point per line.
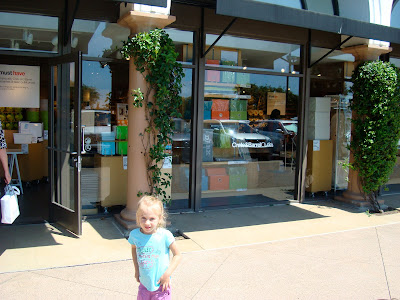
pixel 65 143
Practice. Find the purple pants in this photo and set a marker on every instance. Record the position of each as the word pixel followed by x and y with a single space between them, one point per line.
pixel 144 294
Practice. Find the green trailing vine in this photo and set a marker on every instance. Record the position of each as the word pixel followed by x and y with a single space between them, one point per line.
pixel 376 125
pixel 154 55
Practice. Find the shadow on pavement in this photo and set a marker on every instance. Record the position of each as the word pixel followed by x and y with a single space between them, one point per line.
pixel 26 236
pixel 232 218
pixel 106 227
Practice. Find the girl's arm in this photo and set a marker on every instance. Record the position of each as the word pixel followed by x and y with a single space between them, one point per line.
pixel 176 259
pixel 135 262
pixel 4 162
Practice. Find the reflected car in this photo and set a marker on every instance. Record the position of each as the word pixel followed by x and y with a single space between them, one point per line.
pixel 230 139
pixel 281 132
pixel 239 136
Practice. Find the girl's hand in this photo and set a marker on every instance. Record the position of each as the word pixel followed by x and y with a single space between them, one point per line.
pixel 164 281
pixel 7 177
pixel 137 277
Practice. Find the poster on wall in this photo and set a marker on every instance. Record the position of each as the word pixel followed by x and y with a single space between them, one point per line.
pixel 276 100
pixel 19 86
pixel 122 114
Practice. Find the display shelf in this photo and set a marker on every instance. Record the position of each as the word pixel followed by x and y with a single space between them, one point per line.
pixel 227 84
pixel 212 95
pixel 218 192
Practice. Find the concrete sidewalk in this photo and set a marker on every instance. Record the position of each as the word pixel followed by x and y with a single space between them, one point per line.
pixel 323 250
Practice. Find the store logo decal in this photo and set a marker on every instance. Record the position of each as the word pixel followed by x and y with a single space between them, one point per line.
pixel 15 73
pixel 252 145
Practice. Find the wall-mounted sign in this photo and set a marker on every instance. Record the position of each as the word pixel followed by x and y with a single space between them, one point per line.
pixel 19 86
pixel 316 145
pixel 125 162
pixel 167 162
pixel 276 100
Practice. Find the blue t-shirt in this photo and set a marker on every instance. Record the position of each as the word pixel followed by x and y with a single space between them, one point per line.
pixel 152 252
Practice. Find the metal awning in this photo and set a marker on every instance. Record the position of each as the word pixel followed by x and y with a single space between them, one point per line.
pixel 278 14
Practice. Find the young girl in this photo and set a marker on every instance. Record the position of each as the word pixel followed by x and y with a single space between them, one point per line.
pixel 151 243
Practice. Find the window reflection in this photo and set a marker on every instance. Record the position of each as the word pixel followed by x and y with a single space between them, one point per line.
pixel 244 53
pixel 395 19
pixel 249 136
pixel 394 178
pixel 337 64
pixel 28 32
pixel 289 3
pixel 103 39
pixel 395 61
pixel 355 9
pixel 181 147
pixel 183 41
pixel 98 39
pixel 329 119
pixel 321 6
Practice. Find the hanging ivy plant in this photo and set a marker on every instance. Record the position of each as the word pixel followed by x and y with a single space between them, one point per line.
pixel 154 55
pixel 376 131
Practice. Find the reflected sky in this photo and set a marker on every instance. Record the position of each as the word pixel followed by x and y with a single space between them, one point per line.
pixel 93 75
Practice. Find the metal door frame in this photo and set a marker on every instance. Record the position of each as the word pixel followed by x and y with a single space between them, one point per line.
pixel 69 218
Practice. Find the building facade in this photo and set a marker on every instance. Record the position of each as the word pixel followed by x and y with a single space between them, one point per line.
pixel 265 115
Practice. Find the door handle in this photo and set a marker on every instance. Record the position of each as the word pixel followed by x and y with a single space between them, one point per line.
pixel 78 162
pixel 83 151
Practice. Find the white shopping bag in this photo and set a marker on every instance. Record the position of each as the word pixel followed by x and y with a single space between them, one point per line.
pixel 9 205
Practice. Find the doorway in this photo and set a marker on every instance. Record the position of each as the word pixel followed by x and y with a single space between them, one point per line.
pixel 43 137
pixel 25 126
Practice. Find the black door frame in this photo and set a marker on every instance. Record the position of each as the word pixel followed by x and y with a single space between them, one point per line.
pixel 70 218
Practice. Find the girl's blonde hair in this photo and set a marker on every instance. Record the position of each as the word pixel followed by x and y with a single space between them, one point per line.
pixel 150 201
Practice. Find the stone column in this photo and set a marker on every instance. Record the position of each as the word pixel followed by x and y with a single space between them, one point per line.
pixel 361 53
pixel 137 170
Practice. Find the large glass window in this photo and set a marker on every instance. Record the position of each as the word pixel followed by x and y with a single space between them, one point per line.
pixel 102 39
pixel 250 122
pixel 395 19
pixel 243 53
pixel 105 123
pixel 289 3
pixel 98 39
pixel 355 9
pixel 183 41
pixel 329 129
pixel 321 6
pixel 181 149
pixel 28 32
pixel 101 175
pixel 395 61
pixel 250 137
pixel 337 64
pixel 393 185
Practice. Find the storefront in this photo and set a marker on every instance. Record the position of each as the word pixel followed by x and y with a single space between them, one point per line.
pixel 264 101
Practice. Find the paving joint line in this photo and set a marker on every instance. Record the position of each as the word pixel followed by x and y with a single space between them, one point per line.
pixel 189 238
pixel 80 283
pixel 64 267
pixel 220 265
pixel 383 262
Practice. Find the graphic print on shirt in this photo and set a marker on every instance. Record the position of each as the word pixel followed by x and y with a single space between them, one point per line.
pixel 147 257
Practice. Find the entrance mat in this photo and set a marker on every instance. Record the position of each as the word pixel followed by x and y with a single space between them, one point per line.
pixel 228 202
